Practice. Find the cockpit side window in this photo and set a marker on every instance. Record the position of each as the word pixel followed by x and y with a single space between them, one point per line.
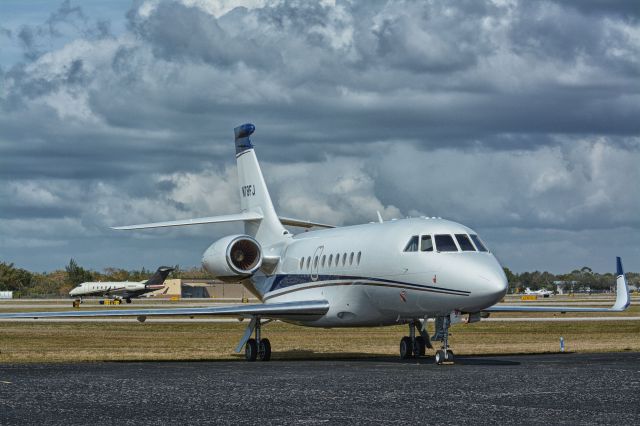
pixel 426 244
pixel 464 243
pixel 412 245
pixel 478 243
pixel 445 243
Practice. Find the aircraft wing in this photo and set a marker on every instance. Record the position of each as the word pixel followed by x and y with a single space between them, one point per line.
pixel 266 310
pixel 621 303
pixel 239 217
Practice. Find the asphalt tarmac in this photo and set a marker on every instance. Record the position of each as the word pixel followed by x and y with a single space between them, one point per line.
pixel 529 389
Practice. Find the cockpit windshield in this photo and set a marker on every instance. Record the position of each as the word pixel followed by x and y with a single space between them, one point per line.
pixel 426 244
pixel 464 242
pixel 412 245
pixel 478 243
pixel 445 243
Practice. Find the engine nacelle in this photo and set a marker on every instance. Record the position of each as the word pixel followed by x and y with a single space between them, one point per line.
pixel 232 258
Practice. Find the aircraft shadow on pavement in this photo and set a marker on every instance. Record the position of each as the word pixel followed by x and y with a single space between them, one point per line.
pixel 311 356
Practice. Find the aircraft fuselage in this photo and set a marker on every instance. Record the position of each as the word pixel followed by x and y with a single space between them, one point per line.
pixel 369 278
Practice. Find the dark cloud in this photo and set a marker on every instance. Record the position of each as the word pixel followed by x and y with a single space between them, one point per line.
pixel 506 117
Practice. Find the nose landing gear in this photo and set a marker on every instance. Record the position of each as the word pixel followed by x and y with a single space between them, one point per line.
pixel 445 354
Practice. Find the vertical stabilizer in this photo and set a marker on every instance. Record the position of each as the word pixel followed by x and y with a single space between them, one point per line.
pixel 254 195
pixel 159 277
pixel 622 290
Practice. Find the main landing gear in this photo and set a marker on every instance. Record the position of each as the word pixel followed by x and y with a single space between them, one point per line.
pixel 258 347
pixel 413 346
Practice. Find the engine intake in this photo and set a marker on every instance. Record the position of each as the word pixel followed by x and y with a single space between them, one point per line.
pixel 233 257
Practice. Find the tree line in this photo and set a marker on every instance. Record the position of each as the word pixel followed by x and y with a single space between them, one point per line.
pixel 59 282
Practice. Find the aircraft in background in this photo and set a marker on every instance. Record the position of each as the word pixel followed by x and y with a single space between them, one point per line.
pixel 376 274
pixel 123 290
pixel 542 292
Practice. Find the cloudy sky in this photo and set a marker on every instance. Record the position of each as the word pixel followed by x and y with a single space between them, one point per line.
pixel 519 119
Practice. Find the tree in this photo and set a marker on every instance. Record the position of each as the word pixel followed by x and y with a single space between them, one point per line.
pixel 14 279
pixel 77 274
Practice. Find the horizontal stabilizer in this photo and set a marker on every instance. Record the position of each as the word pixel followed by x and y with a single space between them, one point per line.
pixel 266 310
pixel 238 217
pixel 302 223
pixel 621 303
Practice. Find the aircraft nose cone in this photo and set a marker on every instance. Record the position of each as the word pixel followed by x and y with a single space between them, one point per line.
pixel 496 283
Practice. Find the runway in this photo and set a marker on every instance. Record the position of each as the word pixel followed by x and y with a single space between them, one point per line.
pixel 531 389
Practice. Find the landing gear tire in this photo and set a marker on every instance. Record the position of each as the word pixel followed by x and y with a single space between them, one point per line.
pixel 420 346
pixel 128 300
pixel 264 350
pixel 406 348
pixel 439 357
pixel 251 350
pixel 449 355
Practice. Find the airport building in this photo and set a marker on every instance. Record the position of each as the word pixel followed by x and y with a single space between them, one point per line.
pixel 205 289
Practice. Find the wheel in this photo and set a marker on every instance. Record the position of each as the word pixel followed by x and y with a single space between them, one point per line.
pixel 264 350
pixel 449 355
pixel 128 300
pixel 406 349
pixel 439 357
pixel 420 346
pixel 251 350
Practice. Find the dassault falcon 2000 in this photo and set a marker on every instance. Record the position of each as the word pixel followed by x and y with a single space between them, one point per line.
pixel 382 273
pixel 120 290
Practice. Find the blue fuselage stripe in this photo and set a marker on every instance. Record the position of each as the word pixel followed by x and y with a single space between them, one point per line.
pixel 287 280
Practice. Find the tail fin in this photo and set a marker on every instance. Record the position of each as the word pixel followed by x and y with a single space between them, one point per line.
pixel 254 195
pixel 159 277
pixel 622 290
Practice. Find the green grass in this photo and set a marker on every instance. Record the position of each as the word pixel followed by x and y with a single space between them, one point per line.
pixel 108 341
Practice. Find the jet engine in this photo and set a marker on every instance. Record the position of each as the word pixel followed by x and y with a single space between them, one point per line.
pixel 232 258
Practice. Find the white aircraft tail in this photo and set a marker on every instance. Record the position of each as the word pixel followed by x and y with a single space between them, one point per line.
pixel 254 195
pixel 259 216
pixel 622 290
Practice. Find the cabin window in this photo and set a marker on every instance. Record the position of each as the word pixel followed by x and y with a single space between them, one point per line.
pixel 478 243
pixel 445 242
pixel 358 258
pixel 412 245
pixel 308 262
pixel 464 242
pixel 301 263
pixel 330 260
pixel 351 259
pixel 315 262
pixel 324 258
pixel 426 243
pixel 337 259
pixel 344 259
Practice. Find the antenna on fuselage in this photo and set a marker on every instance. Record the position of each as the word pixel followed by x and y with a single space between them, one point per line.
pixel 379 216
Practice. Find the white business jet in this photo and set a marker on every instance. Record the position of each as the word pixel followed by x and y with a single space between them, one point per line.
pixel 122 290
pixel 377 274
pixel 542 292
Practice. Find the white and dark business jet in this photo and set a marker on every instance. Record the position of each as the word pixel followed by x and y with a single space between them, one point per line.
pixel 377 274
pixel 542 292
pixel 122 290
